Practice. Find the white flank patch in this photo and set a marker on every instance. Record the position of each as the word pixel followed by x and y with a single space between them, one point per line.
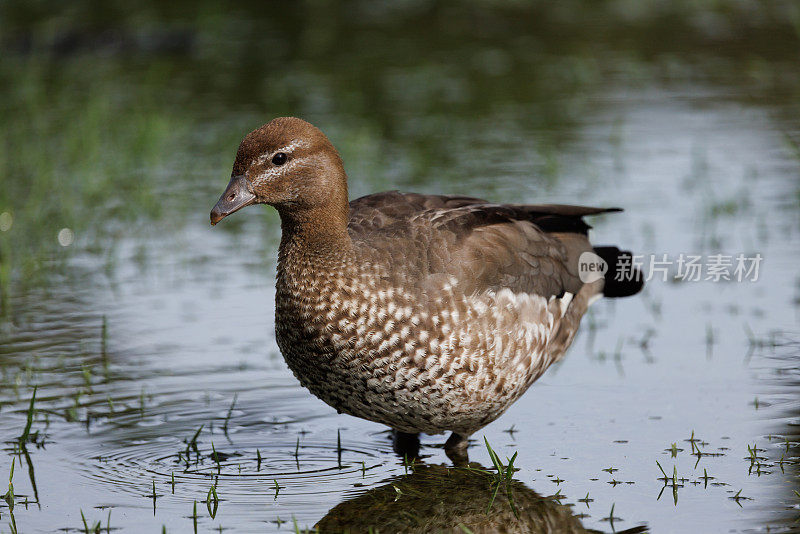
pixel 565 302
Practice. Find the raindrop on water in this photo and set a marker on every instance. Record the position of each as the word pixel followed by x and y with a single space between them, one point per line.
pixel 65 237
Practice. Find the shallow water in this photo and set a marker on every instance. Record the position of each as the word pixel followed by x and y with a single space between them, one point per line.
pixel 151 325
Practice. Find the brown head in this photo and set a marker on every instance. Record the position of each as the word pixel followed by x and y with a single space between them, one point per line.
pixel 291 165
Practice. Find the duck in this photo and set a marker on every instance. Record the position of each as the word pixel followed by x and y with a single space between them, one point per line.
pixel 425 313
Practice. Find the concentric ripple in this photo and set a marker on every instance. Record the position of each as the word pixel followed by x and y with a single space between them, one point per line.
pixel 303 467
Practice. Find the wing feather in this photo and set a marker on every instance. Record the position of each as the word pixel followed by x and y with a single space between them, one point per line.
pixel 484 246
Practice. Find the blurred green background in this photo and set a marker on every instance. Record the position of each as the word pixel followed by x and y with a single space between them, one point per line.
pixel 117 116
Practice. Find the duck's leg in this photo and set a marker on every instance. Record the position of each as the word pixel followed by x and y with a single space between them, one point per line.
pixel 456 449
pixel 405 444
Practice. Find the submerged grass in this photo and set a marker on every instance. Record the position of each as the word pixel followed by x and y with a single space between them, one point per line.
pixel 25 437
pixel 228 416
pixel 9 495
pixel 503 477
pixel 194 516
pixel 212 501
pixel 96 526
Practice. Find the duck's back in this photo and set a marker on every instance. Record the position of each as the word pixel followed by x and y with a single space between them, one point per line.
pixel 477 245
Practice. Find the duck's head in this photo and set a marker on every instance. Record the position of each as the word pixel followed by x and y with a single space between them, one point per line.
pixel 291 165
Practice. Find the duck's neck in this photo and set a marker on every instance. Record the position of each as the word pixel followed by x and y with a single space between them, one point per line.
pixel 314 229
pixel 314 236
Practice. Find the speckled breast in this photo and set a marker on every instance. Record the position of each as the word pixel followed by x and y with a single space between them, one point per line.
pixel 417 361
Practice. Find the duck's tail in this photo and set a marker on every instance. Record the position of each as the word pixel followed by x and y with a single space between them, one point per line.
pixel 623 278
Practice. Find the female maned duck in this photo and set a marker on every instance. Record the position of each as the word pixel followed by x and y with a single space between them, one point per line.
pixel 425 313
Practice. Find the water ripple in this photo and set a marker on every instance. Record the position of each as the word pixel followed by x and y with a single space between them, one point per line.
pixel 294 464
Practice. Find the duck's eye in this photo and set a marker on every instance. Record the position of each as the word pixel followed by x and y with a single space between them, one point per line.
pixel 279 158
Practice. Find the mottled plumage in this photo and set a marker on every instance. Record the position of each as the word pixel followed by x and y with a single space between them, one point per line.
pixel 422 312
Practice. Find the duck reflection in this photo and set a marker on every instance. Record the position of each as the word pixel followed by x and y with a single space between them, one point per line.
pixel 435 498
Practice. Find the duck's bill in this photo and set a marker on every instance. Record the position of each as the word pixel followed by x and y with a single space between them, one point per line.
pixel 236 196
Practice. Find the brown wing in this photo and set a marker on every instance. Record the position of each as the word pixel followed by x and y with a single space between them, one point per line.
pixel 381 210
pixel 526 248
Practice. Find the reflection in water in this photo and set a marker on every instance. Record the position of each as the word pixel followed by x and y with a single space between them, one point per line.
pixel 783 374
pixel 23 453
pixel 435 498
